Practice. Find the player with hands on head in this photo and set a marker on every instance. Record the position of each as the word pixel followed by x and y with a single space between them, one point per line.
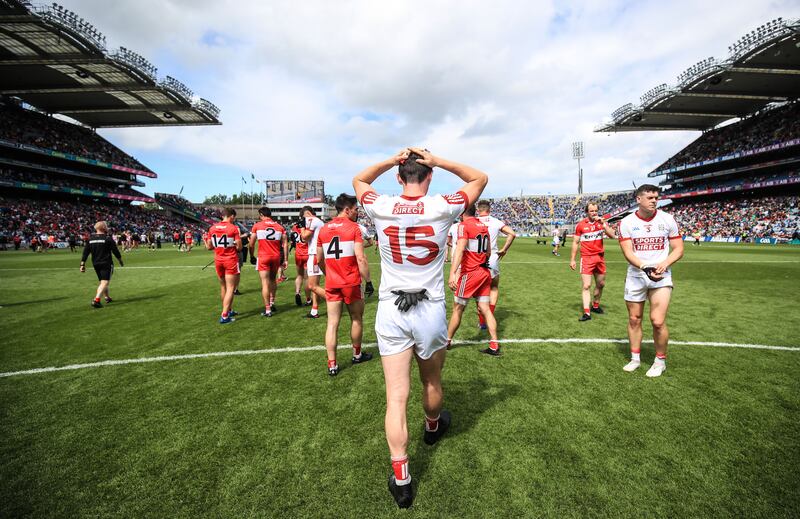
pixel 651 243
pixel 101 246
pixel 411 319
pixel 340 255
pixel 224 239
pixel 470 277
pixel 590 233
pixel 273 247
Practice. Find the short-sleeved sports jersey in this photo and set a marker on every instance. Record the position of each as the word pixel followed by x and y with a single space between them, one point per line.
pixel 452 233
pixel 315 224
pixel 338 239
pixel 412 235
pixel 650 238
pixel 300 247
pixel 494 225
pixel 477 248
pixel 591 236
pixel 267 234
pixel 223 237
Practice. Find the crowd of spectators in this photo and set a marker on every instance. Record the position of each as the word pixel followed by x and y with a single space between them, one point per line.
pixel 28 218
pixel 733 183
pixel 28 127
pixel 769 127
pixel 182 203
pixel 65 181
pixel 745 218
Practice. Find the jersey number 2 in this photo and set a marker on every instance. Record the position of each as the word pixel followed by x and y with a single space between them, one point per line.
pixel 395 234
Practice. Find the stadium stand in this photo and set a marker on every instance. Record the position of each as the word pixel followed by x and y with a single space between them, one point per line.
pixel 184 208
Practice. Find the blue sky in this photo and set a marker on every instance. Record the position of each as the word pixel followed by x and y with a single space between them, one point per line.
pixel 320 89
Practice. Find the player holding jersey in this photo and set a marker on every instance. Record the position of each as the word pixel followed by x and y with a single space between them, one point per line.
pixel 340 255
pixel 272 247
pixel 470 276
pixel 496 226
pixel 224 240
pixel 309 235
pixel 590 232
pixel 300 262
pixel 645 238
pixel 411 320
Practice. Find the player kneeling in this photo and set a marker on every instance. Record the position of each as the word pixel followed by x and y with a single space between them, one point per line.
pixel 470 277
pixel 340 255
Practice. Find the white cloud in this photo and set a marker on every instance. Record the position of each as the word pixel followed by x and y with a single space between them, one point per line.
pixel 322 88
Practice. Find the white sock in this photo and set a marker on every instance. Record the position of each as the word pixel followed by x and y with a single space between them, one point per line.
pixel 635 357
pixel 314 311
pixel 660 362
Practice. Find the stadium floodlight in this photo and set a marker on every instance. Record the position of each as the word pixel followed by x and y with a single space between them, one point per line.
pixel 208 107
pixel 66 19
pixel 653 94
pixel 135 61
pixel 621 112
pixel 176 87
pixel 577 154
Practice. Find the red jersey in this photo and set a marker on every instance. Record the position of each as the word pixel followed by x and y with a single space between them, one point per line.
pixel 268 233
pixel 591 236
pixel 223 236
pixel 188 237
pixel 338 239
pixel 300 247
pixel 476 252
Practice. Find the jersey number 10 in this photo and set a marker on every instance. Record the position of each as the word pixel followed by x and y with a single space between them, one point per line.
pixel 396 235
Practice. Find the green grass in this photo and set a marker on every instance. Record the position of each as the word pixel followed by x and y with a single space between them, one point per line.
pixel 548 430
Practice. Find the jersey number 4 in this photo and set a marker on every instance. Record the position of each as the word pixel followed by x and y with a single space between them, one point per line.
pixel 333 248
pixel 409 235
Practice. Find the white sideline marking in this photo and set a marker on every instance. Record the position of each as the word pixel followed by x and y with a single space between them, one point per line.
pixel 372 345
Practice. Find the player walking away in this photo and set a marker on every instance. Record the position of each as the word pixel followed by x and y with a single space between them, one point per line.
pixel 696 235
pixel 646 237
pixel 101 246
pixel 225 240
pixel 556 242
pixel 271 239
pixel 470 277
pixel 309 235
pixel 188 239
pixel 367 241
pixel 300 262
pixel 496 227
pixel 411 319
pixel 340 255
pixel 590 232
pixel 452 239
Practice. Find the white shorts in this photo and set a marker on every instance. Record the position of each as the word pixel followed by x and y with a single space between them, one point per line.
pixel 637 287
pixel 423 327
pixel 312 267
pixel 494 265
pixel 556 241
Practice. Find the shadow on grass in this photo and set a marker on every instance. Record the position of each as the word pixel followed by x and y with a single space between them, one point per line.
pixel 36 301
pixel 136 299
pixel 467 401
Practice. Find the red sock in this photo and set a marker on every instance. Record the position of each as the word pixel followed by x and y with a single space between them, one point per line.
pixel 492 307
pixel 586 310
pixel 331 363
pixel 400 469
pixel 356 350
pixel 481 320
pixel 637 350
pixel 662 356
pixel 494 345
pixel 96 299
pixel 596 304
pixel 314 307
pixel 432 424
pixel 224 315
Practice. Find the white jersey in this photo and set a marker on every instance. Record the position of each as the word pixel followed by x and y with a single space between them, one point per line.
pixel 412 235
pixel 494 226
pixel 650 238
pixel 453 234
pixel 364 233
pixel 315 224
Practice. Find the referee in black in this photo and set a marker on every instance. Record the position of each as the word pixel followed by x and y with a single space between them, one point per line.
pixel 101 246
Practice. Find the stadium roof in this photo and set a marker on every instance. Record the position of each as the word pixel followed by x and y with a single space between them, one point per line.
pixel 56 61
pixel 762 67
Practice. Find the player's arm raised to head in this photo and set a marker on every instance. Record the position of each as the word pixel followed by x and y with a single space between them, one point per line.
pixel 510 237
pixel 320 258
pixel 475 179
pixel 362 182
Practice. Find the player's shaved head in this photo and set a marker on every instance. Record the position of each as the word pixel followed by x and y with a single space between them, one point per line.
pixel 101 227
pixel 411 171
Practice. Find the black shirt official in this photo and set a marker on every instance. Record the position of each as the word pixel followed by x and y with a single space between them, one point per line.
pixel 101 247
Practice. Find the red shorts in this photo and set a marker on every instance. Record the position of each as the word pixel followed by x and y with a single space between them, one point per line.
pixel 476 283
pixel 188 242
pixel 300 263
pixel 269 263
pixel 228 266
pixel 346 294
pixel 595 264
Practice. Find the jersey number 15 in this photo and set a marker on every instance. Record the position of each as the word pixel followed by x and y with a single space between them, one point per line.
pixel 409 235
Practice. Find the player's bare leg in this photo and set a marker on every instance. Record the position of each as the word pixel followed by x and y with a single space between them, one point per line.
pixel 397 374
pixel 332 334
pixel 586 296
pixel 491 326
pixel 494 294
pixel 599 284
pixel 227 286
pixel 635 311
pixel 437 420
pixel 659 304
pixel 273 289
pixel 266 292
pixel 455 322
pixel 317 294
pixel 356 311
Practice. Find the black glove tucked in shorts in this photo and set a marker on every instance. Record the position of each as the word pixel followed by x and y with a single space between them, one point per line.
pixel 406 300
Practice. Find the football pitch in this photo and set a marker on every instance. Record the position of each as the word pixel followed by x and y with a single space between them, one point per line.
pixel 553 428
